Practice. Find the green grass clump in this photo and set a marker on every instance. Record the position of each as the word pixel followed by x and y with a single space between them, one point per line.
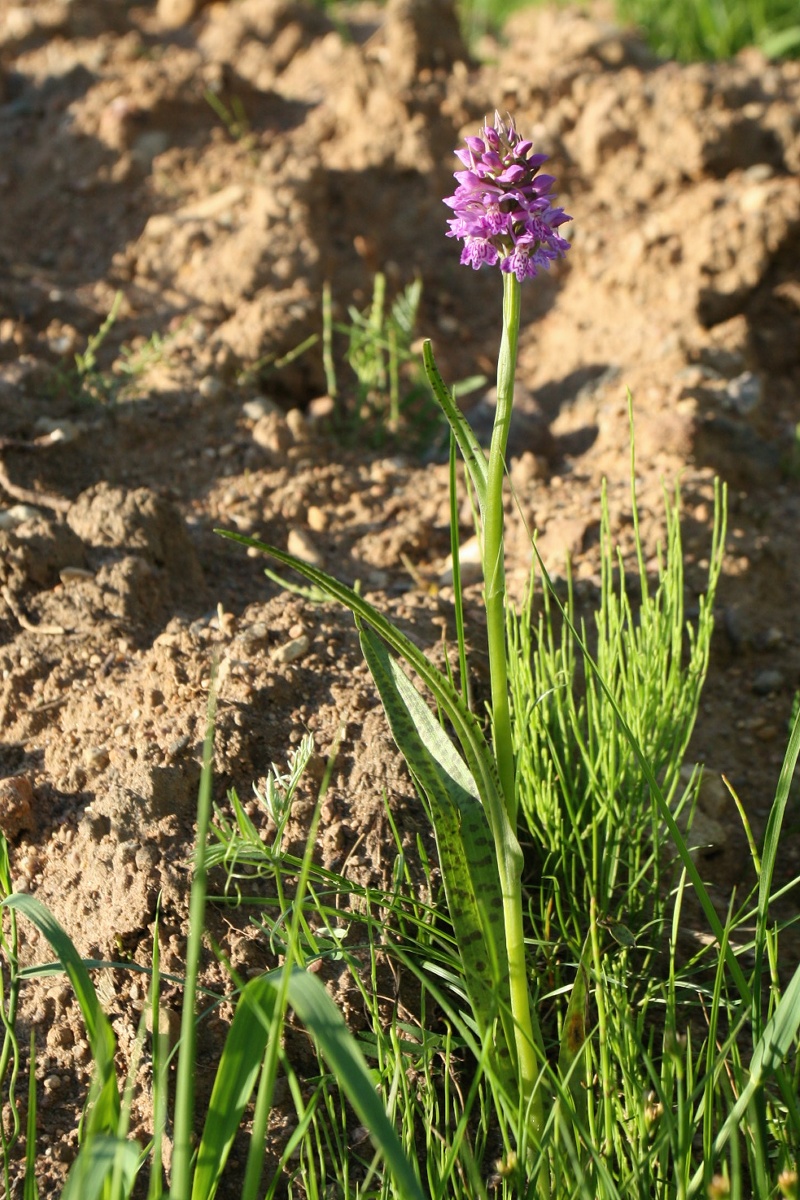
pixel 714 29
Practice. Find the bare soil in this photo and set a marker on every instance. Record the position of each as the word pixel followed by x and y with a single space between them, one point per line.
pixel 117 175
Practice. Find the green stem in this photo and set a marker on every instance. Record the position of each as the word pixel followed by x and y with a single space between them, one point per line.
pixel 493 554
pixel 509 854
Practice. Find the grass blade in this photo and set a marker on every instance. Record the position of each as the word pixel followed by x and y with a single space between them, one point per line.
pixel 468 444
pixel 323 1020
pixel 235 1079
pixel 104 1110
pixel 572 1048
pixel 30 1189
pixel 184 1088
pixel 479 758
pixel 768 1054
pixel 98 1159
pixel 241 1061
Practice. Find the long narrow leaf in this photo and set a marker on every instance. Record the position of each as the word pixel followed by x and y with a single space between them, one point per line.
pixel 468 444
pixel 323 1020
pixel 30 1189
pixel 105 1109
pixel 769 855
pixel 185 1074
pixel 239 1065
pixel 233 1086
pixel 768 1054
pixel 93 1167
pixel 572 1050
pixel 463 837
pixel 479 758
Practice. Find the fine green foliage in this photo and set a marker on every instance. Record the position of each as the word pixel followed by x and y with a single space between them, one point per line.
pixel 103 1108
pixel 584 795
pixel 384 391
pixel 86 380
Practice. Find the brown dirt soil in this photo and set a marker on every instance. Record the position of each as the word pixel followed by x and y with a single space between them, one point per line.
pixel 116 175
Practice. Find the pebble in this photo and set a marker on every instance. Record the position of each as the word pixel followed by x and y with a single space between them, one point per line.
pixel 272 433
pixel 317 518
pixel 174 13
pixel 321 408
pixel 707 837
pixel 770 639
pixel 713 797
pixel 148 146
pixel 96 758
pixel 75 574
pixel 211 388
pixel 16 805
pixel 254 634
pixel 743 394
pixel 290 651
pixel 169 1023
pixel 10 518
pixel 469 559
pixel 261 406
pixel 298 426
pixel 770 680
pixel 58 431
pixel 300 545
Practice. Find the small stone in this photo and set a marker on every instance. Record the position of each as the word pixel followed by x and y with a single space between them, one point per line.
pixel 770 680
pixel 290 651
pixel 174 13
pixel 770 639
pixel 298 426
pixel 58 431
pixel 469 559
pixel 169 1024
pixel 743 394
pixel 526 469
pixel 713 797
pixel 261 406
pixel 254 635
pixel 148 146
pixel 320 408
pixel 75 574
pixel 300 545
pixel 767 733
pixel 707 837
pixel 272 433
pixel 317 518
pixel 18 514
pixel 211 388
pixel 96 758
pixel 16 805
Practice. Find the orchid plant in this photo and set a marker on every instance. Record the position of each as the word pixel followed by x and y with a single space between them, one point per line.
pixel 504 213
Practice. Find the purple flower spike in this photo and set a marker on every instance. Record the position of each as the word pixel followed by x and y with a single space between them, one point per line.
pixel 502 208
